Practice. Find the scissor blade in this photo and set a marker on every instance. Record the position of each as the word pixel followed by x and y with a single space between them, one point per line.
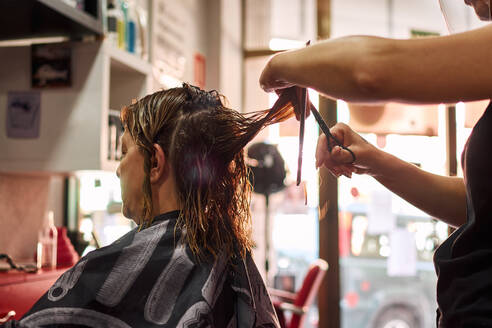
pixel 328 134
pixel 302 102
pixel 323 126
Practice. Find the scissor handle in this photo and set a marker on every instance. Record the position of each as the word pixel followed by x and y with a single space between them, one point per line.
pixel 328 134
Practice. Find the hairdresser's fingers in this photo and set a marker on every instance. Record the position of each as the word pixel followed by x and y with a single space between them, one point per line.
pixel 338 171
pixel 362 150
pixel 343 133
pixel 321 150
pixel 335 160
pixel 341 156
pixel 275 85
pixel 366 155
pixel 334 172
pixel 307 109
pixel 298 115
pixel 336 157
pixel 271 77
pixel 347 171
pixel 360 170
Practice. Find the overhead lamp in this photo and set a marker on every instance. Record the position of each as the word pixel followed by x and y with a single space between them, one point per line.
pixel 277 44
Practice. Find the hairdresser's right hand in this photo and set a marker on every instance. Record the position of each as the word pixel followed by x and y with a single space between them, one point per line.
pixel 338 161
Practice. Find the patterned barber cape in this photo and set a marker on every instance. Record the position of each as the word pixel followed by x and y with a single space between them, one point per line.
pixel 149 278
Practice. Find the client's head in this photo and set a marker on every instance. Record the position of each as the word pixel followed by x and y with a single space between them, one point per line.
pixel 183 149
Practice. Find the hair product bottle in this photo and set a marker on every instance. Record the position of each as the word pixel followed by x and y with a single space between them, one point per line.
pixel 47 243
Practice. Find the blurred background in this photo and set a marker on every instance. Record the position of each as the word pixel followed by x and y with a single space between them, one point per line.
pixel 69 66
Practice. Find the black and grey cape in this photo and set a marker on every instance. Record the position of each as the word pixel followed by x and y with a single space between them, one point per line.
pixel 149 278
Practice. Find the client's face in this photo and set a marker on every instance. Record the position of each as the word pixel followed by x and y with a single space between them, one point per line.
pixel 131 174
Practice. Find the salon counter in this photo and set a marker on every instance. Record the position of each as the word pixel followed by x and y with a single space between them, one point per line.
pixel 19 290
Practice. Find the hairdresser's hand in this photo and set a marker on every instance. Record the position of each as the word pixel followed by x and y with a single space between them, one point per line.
pixel 272 78
pixel 338 161
pixel 290 97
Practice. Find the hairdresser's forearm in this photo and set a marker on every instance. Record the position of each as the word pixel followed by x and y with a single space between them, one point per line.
pixel 363 69
pixel 372 69
pixel 439 196
pixel 334 67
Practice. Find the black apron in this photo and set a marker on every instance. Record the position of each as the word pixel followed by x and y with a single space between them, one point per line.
pixel 464 261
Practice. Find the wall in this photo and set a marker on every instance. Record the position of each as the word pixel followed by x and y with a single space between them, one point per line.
pixel 183 29
pixel 66 113
pixel 178 33
pixel 390 18
pixel 224 55
pixel 231 52
pixel 24 199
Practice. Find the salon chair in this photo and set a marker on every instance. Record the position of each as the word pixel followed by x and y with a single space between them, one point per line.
pixel 298 303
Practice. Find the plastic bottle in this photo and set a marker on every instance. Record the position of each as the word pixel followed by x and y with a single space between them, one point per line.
pixel 141 39
pixel 47 243
pixel 131 27
pixel 122 25
pixel 114 15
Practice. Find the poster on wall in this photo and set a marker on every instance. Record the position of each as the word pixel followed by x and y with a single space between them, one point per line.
pixel 402 260
pixel 23 114
pixel 380 213
pixel 178 35
pixel 51 65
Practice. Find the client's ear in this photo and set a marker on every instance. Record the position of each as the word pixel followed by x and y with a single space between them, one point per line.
pixel 157 164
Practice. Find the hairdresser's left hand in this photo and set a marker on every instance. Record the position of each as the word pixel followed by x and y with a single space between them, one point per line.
pixel 292 95
pixel 272 78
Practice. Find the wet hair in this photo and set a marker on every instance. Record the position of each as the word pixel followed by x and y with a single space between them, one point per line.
pixel 203 141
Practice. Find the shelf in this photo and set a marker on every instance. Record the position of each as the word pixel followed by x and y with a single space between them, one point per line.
pixel 23 19
pixel 127 62
pixel 73 133
pixel 129 76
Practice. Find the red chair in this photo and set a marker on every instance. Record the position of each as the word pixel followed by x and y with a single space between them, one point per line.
pixel 298 303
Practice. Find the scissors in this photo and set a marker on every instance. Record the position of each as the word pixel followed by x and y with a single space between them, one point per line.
pixel 303 103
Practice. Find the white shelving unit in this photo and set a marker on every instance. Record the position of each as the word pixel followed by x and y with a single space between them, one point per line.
pixel 45 18
pixel 74 121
